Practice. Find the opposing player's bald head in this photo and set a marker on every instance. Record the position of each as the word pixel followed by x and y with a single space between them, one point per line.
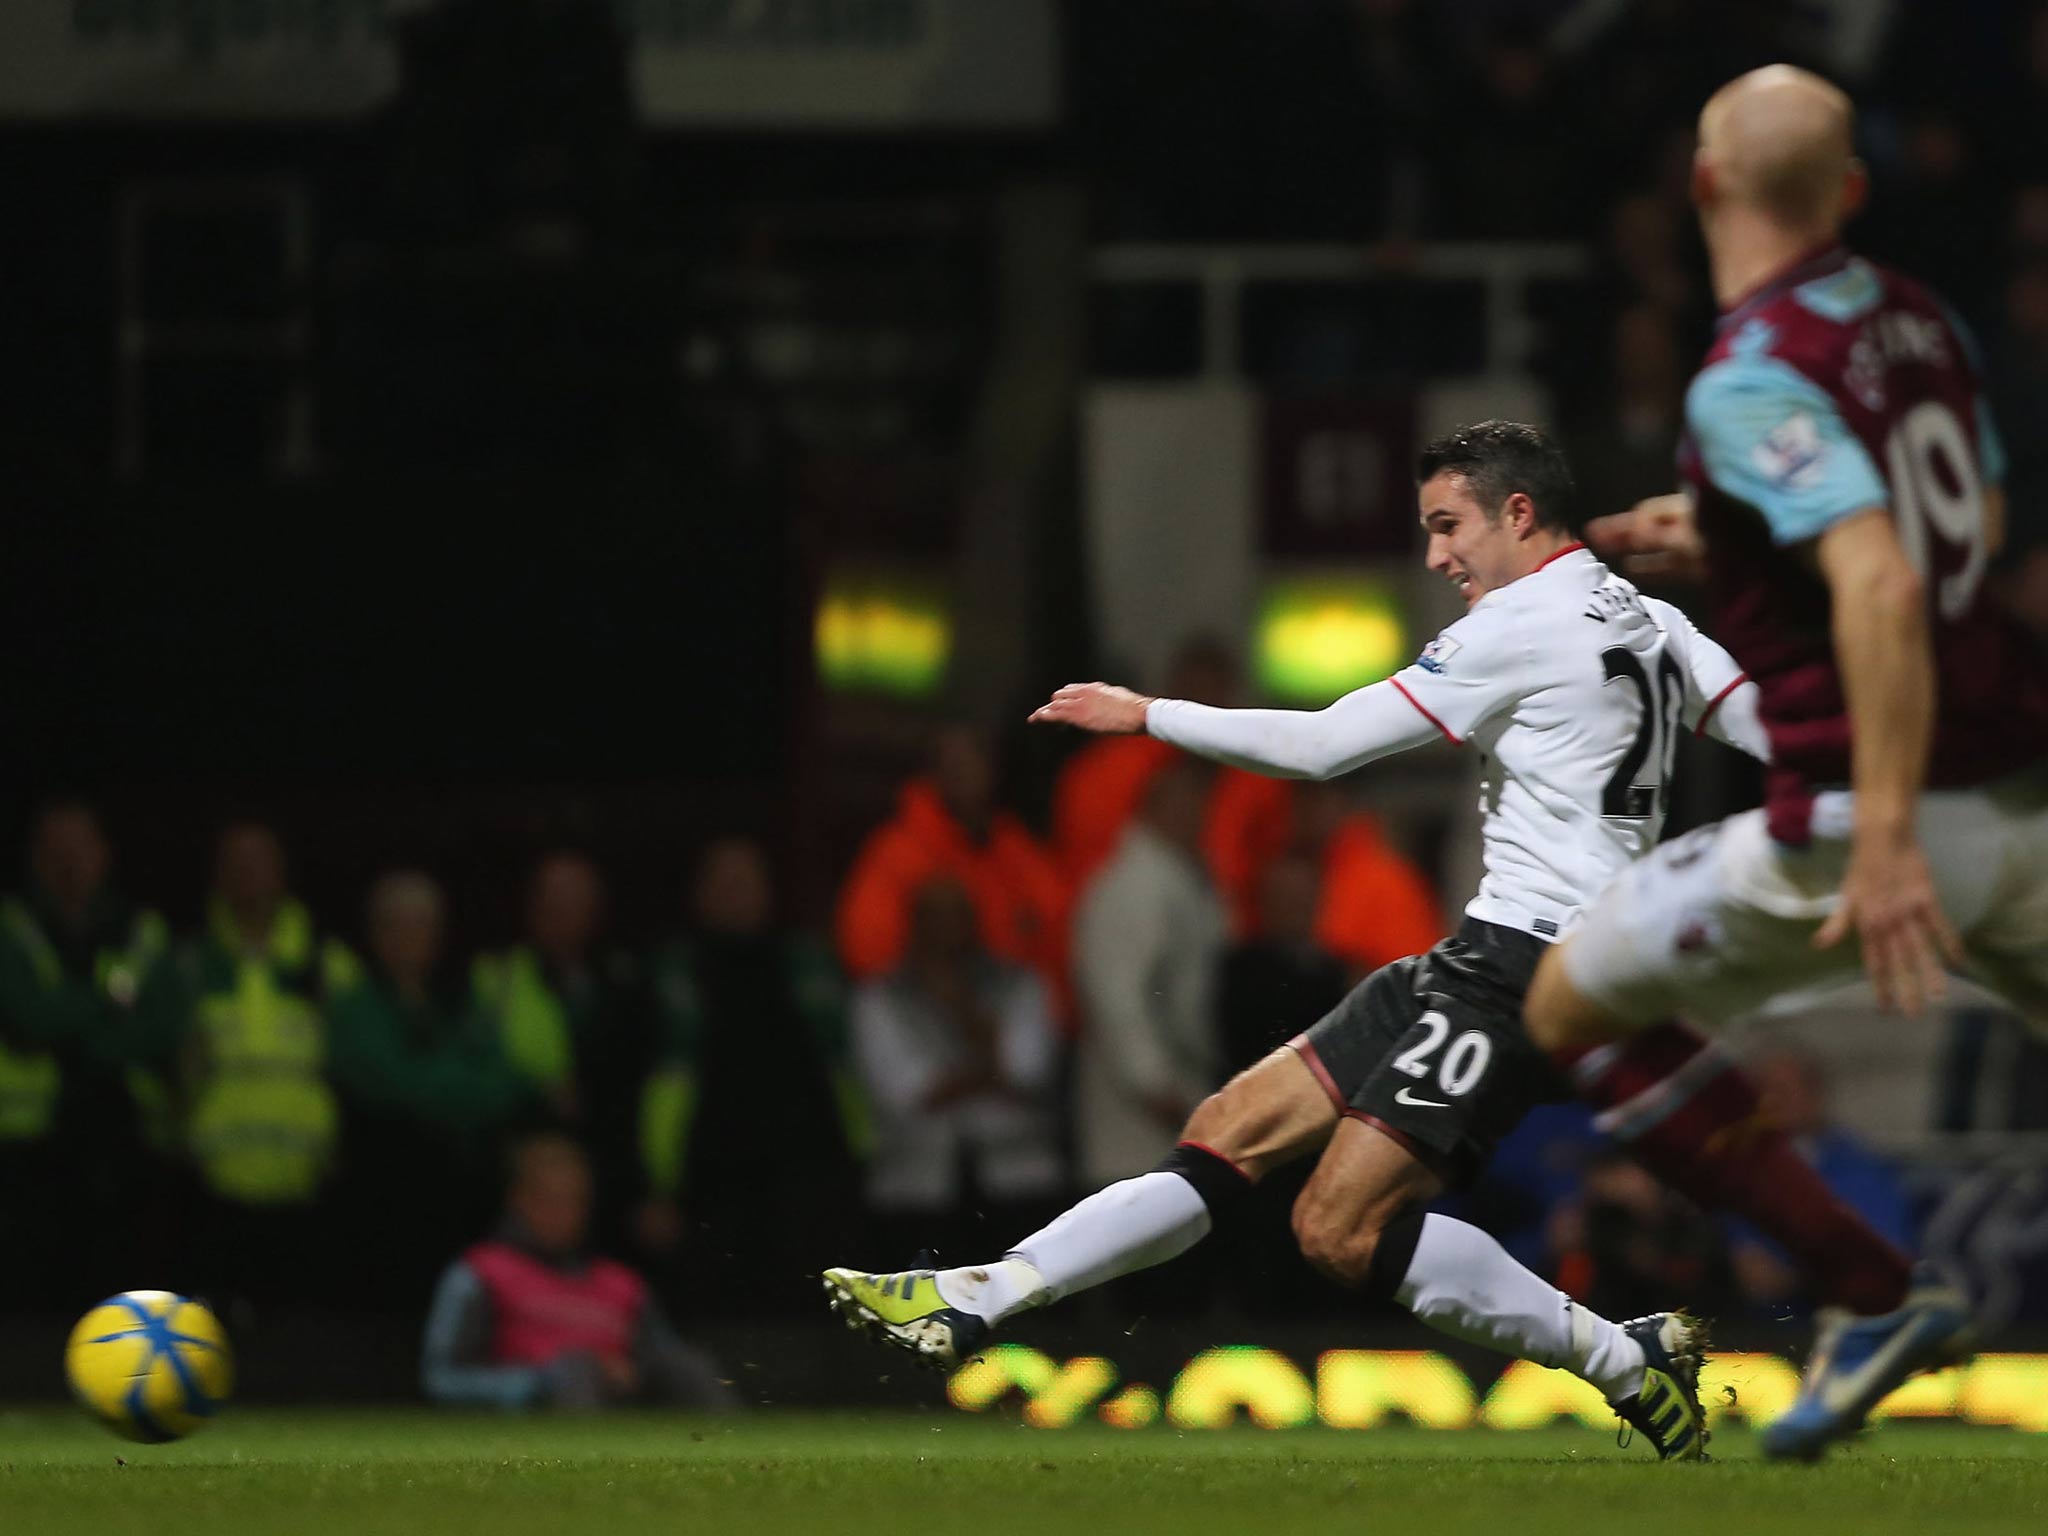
pixel 1779 140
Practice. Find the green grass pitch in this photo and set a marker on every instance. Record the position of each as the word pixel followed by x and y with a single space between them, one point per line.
pixel 403 1472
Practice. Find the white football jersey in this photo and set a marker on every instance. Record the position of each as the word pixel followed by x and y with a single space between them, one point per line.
pixel 1573 686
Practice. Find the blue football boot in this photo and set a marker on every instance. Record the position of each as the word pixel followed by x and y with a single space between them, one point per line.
pixel 1857 1361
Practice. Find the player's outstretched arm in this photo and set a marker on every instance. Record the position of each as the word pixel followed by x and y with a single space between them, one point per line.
pixel 1887 663
pixel 1100 707
pixel 1285 743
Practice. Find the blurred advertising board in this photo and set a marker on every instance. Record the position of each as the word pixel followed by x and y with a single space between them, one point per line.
pixel 1363 1388
pixel 731 63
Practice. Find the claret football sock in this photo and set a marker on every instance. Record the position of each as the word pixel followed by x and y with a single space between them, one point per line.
pixel 1463 1283
pixel 1125 1227
pixel 1690 1115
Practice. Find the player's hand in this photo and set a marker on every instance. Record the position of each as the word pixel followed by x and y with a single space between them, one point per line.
pixel 1656 540
pixel 1888 900
pixel 1094 707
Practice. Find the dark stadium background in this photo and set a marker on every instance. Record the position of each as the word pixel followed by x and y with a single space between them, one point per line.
pixel 540 565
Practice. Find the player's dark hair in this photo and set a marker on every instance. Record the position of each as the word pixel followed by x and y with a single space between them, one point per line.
pixel 1499 458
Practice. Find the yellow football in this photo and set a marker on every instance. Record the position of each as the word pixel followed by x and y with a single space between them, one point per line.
pixel 150 1365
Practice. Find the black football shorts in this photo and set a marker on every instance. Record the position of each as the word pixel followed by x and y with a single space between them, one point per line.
pixel 1430 1049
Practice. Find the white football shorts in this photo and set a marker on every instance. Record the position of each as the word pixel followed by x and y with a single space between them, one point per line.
pixel 1716 923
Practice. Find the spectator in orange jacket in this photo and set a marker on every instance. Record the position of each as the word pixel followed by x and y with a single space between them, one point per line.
pixel 948 824
pixel 1247 823
pixel 1375 906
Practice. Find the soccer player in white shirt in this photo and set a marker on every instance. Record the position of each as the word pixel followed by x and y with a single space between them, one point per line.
pixel 1573 686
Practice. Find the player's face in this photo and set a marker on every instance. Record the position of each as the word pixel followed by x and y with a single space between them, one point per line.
pixel 1473 552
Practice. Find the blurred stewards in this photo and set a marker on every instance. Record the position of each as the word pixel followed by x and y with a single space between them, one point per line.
pixel 74 958
pixel 1147 941
pixel 530 1318
pixel 957 1050
pixel 261 1121
pixel 424 1085
pixel 753 1106
pixel 1102 786
pixel 574 1020
pixel 949 824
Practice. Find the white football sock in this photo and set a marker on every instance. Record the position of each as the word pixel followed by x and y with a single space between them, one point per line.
pixel 1125 1227
pixel 993 1291
pixel 1463 1283
pixel 1604 1355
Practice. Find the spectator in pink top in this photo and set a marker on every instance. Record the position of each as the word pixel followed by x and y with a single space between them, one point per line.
pixel 529 1318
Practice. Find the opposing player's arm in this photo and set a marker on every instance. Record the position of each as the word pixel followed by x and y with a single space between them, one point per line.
pixel 1656 540
pixel 1467 674
pixel 1774 439
pixel 1720 700
pixel 1887 664
pixel 1886 658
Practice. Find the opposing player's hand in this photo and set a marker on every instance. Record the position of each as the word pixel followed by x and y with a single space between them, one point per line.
pixel 1655 540
pixel 1094 707
pixel 1888 900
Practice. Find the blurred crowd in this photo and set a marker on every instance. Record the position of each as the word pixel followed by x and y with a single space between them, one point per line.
pixel 300 1108
pixel 295 1105
pixel 291 1104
